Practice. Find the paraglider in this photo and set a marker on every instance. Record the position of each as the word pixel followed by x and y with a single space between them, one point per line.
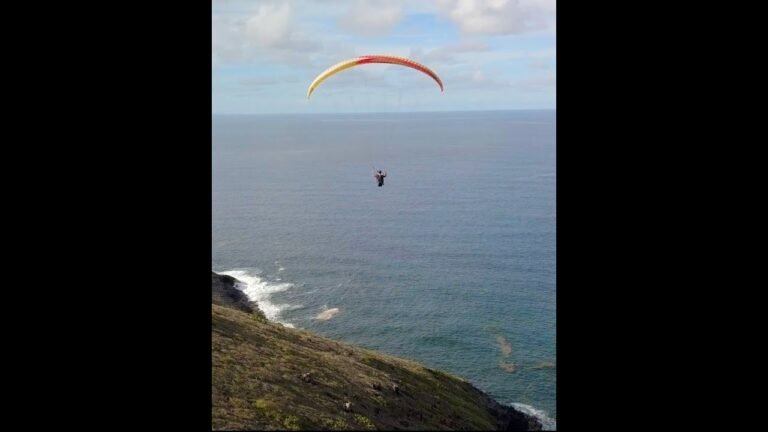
pixel 368 59
pixel 379 176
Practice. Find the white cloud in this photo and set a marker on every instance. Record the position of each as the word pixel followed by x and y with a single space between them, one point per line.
pixel 270 24
pixel 547 5
pixel 227 41
pixel 448 54
pixel 499 17
pixel 267 32
pixel 275 48
pixel 372 17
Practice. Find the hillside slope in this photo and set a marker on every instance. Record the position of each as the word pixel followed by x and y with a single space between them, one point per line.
pixel 259 383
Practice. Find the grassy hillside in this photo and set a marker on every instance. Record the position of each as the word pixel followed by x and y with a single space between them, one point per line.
pixel 259 384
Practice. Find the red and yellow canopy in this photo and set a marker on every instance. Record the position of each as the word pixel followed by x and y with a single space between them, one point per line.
pixel 367 59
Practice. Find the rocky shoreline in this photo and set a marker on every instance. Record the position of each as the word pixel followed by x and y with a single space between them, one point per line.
pixel 455 405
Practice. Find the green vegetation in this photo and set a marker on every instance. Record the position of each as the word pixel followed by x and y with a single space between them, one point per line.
pixel 257 384
pixel 365 422
pixel 334 424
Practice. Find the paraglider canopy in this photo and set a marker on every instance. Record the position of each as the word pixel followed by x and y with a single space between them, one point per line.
pixel 368 59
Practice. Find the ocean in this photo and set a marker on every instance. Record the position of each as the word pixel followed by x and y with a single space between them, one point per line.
pixel 451 263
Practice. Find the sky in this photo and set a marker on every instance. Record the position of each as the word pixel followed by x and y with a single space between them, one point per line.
pixel 489 54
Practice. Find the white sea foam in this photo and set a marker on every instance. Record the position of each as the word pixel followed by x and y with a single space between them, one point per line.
pixel 280 268
pixel 547 423
pixel 327 314
pixel 260 290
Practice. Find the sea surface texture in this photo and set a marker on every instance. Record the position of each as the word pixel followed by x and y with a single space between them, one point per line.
pixel 450 263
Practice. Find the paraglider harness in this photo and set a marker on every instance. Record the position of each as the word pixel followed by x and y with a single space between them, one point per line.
pixel 380 177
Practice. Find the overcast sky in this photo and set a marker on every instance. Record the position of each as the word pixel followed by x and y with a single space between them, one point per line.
pixel 490 54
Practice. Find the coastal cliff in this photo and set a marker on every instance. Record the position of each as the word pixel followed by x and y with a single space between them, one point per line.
pixel 270 377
